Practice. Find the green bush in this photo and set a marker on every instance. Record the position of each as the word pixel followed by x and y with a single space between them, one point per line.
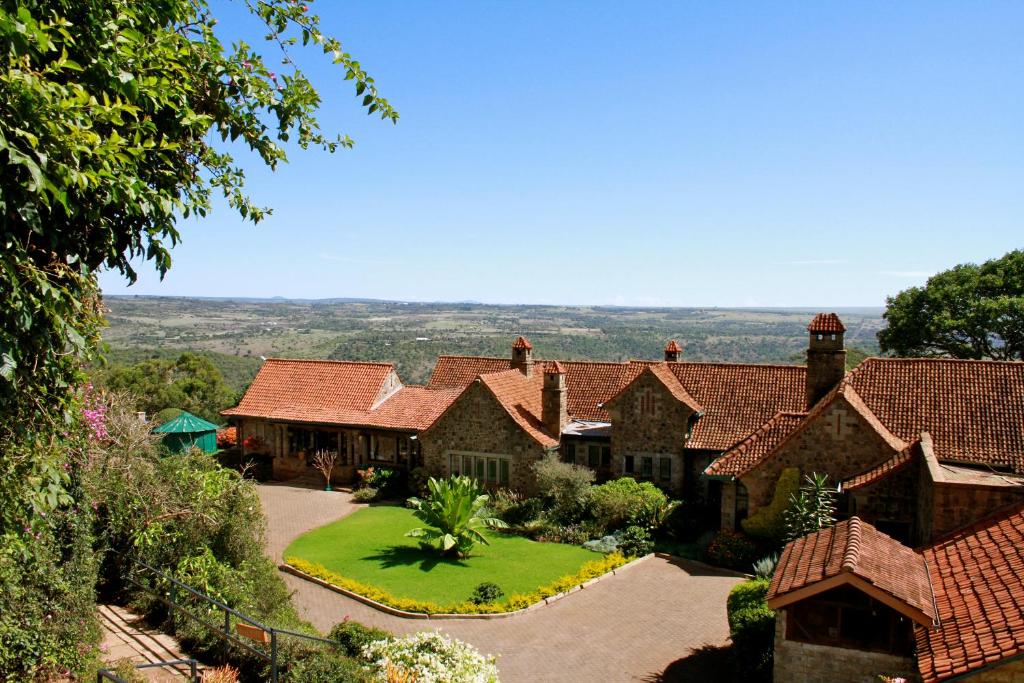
pixel 325 666
pixel 417 481
pixel 769 522
pixel 564 488
pixel 367 494
pixel 353 636
pixel 731 549
pixel 486 592
pixel 635 541
pixel 455 516
pixel 622 502
pixel 752 628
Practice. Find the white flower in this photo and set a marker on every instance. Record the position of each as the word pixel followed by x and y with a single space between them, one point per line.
pixel 432 658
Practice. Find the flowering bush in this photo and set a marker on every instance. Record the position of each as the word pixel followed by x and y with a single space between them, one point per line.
pixel 430 657
pixel 731 549
pixel 253 443
pixel 227 437
pixel 94 411
pixel 374 477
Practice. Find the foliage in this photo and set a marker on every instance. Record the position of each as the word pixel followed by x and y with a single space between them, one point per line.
pixel 623 502
pixel 324 666
pixel 190 383
pixel 752 628
pixel 812 508
pixel 488 591
pixel 430 657
pixel 455 515
pixel 765 567
pixel 227 437
pixel 106 110
pixel 221 674
pixel 969 311
pixel 635 541
pixel 564 487
pixel 517 601
pixel 547 531
pixel 731 549
pixel 769 522
pixel 353 636
pixel 605 544
pixel 367 494
pixel 124 669
pixel 417 481
pixel 515 508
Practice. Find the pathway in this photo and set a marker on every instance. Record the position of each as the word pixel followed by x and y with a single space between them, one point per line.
pixel 632 626
pixel 126 636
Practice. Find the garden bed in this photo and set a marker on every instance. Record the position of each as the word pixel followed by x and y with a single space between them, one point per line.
pixel 368 554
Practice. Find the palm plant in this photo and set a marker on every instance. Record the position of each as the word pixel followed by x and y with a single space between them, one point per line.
pixel 812 508
pixel 454 515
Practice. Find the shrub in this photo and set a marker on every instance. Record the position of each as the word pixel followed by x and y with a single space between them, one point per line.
pixel 752 627
pixel 353 636
pixel 367 494
pixel 486 592
pixel 622 502
pixel 811 509
pixel 417 481
pixel 522 512
pixel 605 544
pixel 564 487
pixel 325 666
pixel 731 549
pixel 635 542
pixel 220 674
pixel 430 657
pixel 765 567
pixel 455 515
pixel 769 522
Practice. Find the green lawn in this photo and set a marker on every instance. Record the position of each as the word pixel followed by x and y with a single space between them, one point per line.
pixel 370 546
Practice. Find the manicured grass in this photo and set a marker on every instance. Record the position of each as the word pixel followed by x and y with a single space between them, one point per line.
pixel 370 546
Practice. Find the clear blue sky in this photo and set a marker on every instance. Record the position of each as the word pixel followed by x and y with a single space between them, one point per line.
pixel 690 154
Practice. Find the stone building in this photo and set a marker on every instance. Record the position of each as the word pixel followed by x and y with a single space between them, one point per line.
pixel 853 603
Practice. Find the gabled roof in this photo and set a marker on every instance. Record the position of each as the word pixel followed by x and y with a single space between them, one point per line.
pixel 460 371
pixel 673 347
pixel 978 575
pixel 738 398
pixel 520 396
pixel 312 390
pixel 854 553
pixel 745 455
pixel 339 393
pixel 879 472
pixel 974 410
pixel 554 368
pixel 522 343
pixel 665 377
pixel 826 323
pixel 185 423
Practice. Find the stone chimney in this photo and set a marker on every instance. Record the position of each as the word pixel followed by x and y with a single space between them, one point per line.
pixel 522 356
pixel 554 400
pixel 826 356
pixel 673 351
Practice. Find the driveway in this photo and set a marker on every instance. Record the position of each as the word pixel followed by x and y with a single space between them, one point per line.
pixel 632 626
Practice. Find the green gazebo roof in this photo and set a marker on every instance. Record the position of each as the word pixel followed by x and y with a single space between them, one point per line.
pixel 186 423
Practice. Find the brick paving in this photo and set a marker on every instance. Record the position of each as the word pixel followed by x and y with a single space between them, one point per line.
pixel 628 627
pixel 126 636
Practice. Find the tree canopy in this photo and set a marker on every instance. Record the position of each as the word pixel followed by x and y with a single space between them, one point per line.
pixel 116 121
pixel 969 311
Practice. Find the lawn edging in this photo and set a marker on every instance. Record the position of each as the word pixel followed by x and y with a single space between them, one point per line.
pixel 387 609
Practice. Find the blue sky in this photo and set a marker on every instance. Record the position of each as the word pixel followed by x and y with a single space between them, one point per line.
pixel 683 154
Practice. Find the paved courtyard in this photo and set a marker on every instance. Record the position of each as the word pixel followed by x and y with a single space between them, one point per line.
pixel 633 626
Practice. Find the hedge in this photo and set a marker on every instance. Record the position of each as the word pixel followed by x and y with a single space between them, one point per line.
pixel 752 627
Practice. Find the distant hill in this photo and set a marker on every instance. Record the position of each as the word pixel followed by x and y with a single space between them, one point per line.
pixel 235 333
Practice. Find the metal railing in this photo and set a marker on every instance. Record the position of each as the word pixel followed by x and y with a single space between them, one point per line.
pixel 111 675
pixel 255 632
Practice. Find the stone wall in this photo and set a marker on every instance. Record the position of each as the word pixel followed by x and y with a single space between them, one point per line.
pixel 957 505
pixel 476 423
pixel 806 663
pixel 650 422
pixel 891 500
pixel 839 442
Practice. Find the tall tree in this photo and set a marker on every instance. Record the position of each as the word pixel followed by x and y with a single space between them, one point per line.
pixel 116 121
pixel 968 311
pixel 190 382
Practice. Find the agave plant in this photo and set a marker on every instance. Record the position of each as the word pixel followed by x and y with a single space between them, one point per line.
pixel 454 515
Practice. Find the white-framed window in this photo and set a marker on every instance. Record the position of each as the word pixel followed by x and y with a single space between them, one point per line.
pixel 485 468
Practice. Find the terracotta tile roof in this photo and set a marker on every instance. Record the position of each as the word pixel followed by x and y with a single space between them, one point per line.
pixel 978 575
pixel 522 343
pixel 312 390
pixel 738 398
pixel 893 464
pixel 555 368
pixel 742 457
pixel 521 397
pixel 460 371
pixel 673 346
pixel 826 323
pixel 411 408
pixel 974 410
pixel 854 552
pixel 661 372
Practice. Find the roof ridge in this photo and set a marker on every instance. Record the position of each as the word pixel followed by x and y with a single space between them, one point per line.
pixel 729 364
pixel 455 355
pixel 329 360
pixel 851 555
pixel 924 360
